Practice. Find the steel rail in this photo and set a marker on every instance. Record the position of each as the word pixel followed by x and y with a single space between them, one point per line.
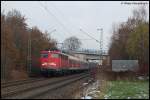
pixel 13 94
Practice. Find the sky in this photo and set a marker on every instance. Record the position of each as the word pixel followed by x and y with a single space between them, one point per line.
pixel 68 17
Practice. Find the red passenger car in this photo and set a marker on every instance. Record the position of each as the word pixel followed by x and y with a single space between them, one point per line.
pixel 58 62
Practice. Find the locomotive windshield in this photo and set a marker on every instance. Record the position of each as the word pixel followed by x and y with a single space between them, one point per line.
pixel 44 55
pixel 55 55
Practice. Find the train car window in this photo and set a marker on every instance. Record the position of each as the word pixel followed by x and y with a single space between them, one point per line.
pixel 55 55
pixel 44 55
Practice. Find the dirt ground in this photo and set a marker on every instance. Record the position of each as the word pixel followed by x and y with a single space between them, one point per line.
pixel 109 75
pixel 18 75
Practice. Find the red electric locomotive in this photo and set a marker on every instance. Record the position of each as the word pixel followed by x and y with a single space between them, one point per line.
pixel 56 62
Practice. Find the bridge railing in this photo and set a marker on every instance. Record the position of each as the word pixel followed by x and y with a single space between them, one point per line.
pixel 87 51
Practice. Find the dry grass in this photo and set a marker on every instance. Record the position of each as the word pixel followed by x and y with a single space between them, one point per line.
pixel 106 78
pixel 18 75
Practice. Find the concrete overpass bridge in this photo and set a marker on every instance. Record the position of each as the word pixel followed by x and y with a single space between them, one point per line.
pixel 90 55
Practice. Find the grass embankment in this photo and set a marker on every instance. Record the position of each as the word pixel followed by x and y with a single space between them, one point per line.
pixel 126 90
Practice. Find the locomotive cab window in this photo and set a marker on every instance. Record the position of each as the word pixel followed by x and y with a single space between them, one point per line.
pixel 55 55
pixel 44 55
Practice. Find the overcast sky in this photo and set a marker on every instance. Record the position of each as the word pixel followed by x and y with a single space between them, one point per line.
pixel 67 17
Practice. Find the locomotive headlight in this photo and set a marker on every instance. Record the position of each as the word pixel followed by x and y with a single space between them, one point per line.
pixel 53 64
pixel 44 64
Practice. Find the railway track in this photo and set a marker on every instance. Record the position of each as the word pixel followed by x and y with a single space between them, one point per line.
pixel 35 89
pixel 19 82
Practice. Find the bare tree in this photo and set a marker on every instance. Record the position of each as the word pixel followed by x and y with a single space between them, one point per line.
pixel 72 43
pixel 130 40
pixel 140 14
pixel 14 44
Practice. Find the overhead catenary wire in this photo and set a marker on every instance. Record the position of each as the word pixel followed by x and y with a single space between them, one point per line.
pixel 50 13
pixel 80 29
pixel 62 15
pixel 86 39
pixel 55 17
pixel 89 36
